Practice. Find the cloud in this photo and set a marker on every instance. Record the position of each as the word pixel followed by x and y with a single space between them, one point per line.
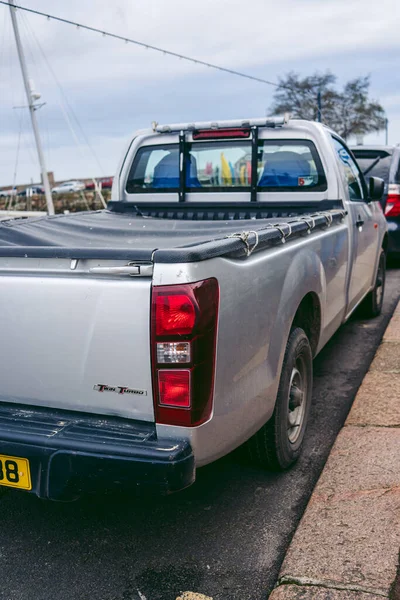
pixel 115 87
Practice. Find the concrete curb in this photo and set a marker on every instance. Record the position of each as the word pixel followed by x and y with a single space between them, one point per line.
pixel 346 546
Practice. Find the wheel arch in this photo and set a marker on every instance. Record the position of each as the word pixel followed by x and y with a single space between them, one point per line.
pixel 308 317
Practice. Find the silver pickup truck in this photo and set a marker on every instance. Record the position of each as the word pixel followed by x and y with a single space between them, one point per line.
pixel 146 340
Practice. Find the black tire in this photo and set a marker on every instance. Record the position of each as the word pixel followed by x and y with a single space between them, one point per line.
pixel 372 305
pixel 275 446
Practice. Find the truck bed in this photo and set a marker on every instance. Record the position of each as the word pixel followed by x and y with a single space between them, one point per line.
pixel 163 233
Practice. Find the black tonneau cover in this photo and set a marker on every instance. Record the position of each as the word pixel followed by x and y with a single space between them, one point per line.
pixel 136 236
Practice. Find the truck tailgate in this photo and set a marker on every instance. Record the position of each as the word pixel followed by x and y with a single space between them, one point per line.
pixel 76 342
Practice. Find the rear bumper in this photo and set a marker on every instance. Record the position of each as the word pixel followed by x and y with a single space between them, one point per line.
pixel 74 453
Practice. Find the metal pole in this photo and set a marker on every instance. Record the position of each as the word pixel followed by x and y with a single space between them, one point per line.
pixel 386 131
pixel 319 102
pixel 45 179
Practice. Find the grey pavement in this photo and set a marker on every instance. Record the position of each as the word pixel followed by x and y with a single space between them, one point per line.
pixel 348 540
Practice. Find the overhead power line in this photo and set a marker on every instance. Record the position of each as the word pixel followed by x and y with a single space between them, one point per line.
pixel 128 40
pixel 190 59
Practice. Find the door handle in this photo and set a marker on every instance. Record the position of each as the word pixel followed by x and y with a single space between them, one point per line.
pixel 359 222
pixel 132 270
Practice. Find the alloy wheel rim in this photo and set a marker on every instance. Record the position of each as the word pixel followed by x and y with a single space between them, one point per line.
pixel 297 401
pixel 379 284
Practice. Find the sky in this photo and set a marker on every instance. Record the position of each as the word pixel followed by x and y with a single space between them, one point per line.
pixel 97 91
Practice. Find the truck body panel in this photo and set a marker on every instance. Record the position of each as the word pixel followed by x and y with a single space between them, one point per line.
pixel 102 339
pixel 250 350
pixel 76 303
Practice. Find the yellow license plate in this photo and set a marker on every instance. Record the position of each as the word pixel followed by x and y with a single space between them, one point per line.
pixel 15 472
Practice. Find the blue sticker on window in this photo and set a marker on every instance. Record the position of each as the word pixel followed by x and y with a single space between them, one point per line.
pixel 344 156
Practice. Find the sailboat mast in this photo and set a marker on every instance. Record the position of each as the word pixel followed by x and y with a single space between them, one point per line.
pixel 32 109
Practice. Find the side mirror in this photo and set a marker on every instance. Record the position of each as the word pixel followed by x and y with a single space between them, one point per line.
pixel 376 187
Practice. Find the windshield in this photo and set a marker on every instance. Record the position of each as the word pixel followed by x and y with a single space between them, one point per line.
pixel 284 165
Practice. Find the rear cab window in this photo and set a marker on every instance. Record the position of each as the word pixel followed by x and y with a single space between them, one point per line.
pixel 226 166
pixel 290 165
pixel 154 168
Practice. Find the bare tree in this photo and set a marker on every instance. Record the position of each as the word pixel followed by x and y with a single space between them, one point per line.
pixel 348 112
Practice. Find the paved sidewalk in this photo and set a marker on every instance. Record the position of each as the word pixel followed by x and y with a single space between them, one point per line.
pixel 347 544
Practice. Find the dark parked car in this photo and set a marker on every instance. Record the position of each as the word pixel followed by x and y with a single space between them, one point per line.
pixel 33 190
pixel 384 162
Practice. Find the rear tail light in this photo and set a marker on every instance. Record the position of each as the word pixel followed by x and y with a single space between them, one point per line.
pixel 393 201
pixel 173 352
pixel 183 334
pixel 175 314
pixel 174 388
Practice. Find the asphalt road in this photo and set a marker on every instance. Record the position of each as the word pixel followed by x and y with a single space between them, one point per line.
pixel 225 536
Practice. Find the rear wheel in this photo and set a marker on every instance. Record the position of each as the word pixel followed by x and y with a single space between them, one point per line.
pixel 277 445
pixel 372 305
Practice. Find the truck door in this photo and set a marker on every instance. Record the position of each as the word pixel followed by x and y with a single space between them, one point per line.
pixel 364 233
